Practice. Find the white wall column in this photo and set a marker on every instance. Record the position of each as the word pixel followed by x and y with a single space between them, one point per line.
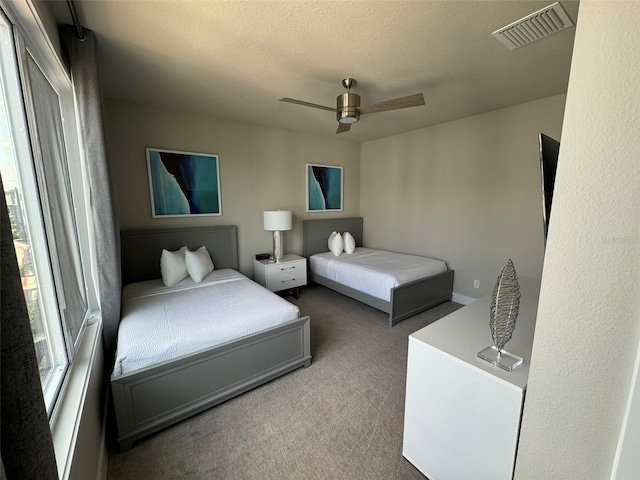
pixel 588 326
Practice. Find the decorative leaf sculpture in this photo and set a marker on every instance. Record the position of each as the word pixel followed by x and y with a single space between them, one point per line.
pixel 505 303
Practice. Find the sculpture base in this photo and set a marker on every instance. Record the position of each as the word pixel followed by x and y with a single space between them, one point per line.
pixel 503 359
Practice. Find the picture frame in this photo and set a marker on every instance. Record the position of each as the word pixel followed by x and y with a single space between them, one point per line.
pixel 183 183
pixel 324 188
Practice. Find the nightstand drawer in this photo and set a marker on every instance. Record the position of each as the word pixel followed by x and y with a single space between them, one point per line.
pixel 289 273
pixel 297 267
pixel 288 279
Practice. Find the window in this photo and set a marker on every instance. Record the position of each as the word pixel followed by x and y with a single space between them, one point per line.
pixel 42 176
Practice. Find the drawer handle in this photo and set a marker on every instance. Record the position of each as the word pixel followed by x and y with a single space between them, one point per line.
pixel 285 281
pixel 287 268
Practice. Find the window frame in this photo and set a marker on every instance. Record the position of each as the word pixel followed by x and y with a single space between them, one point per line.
pixel 83 383
pixel 30 39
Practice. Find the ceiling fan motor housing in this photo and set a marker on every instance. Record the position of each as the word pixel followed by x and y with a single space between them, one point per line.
pixel 348 104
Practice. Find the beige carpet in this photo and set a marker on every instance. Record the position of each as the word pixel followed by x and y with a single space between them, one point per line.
pixel 341 418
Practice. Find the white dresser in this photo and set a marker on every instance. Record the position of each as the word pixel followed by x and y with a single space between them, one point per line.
pixel 462 414
pixel 289 273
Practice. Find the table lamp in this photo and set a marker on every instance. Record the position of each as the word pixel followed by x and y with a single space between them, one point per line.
pixel 277 221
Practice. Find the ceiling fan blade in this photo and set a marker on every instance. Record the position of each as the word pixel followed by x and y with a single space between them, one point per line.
pixel 414 100
pixel 307 104
pixel 343 127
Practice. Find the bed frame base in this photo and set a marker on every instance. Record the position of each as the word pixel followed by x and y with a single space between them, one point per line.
pixel 151 399
pixel 406 300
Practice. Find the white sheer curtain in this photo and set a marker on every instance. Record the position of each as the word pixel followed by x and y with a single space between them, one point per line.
pixel 54 184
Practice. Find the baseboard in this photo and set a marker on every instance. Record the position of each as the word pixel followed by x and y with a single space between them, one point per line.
pixel 463 299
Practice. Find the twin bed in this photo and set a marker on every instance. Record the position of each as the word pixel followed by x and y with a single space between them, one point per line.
pixel 185 348
pixel 398 284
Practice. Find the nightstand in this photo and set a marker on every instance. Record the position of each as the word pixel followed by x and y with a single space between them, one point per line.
pixel 289 273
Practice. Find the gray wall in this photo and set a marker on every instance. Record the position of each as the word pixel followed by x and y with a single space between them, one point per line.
pixel 467 192
pixel 260 169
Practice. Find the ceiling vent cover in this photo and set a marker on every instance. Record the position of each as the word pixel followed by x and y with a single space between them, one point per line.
pixel 533 27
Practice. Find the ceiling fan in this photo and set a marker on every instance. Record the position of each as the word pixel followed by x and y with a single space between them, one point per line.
pixel 348 108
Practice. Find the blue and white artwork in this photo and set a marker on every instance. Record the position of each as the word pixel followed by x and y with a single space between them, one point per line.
pixel 324 188
pixel 183 183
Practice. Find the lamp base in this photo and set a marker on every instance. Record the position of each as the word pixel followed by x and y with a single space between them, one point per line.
pixel 277 246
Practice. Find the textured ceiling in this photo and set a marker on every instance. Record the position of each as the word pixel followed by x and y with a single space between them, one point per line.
pixel 235 59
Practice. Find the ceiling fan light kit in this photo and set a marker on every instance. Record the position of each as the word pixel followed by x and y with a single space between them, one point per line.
pixel 348 104
pixel 348 109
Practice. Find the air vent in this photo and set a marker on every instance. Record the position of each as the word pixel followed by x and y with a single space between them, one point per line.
pixel 533 27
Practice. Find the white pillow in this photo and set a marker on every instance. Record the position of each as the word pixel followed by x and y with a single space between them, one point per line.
pixel 172 266
pixel 349 242
pixel 199 263
pixel 336 244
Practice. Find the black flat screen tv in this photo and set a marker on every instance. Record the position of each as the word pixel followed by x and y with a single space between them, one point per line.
pixel 549 149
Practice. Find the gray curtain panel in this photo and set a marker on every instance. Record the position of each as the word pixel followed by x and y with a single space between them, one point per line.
pixel 84 74
pixel 27 447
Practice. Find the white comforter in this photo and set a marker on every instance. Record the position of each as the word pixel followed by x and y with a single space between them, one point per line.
pixel 374 272
pixel 161 323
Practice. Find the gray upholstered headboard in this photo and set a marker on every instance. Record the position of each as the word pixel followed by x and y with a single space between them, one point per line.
pixel 315 233
pixel 141 249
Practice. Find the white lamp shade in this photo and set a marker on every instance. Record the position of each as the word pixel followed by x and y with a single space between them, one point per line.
pixel 277 220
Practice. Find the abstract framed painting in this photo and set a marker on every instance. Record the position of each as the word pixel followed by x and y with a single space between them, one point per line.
pixel 183 183
pixel 324 188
